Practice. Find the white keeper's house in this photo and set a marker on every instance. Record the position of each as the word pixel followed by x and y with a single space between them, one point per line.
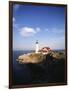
pixel 44 50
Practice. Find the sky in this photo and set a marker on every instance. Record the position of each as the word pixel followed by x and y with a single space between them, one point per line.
pixel 43 23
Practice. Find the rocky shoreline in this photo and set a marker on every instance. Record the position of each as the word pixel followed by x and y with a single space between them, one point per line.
pixel 51 68
pixel 39 57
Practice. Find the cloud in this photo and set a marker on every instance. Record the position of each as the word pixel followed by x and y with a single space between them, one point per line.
pixel 28 31
pixel 15 25
pixel 47 30
pixel 16 6
pixel 54 30
pixel 13 19
pixel 38 29
pixel 57 31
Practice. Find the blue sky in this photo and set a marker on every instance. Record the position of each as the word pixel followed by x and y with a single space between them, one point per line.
pixel 43 23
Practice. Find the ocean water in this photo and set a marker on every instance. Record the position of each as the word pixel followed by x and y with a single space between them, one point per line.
pixel 47 72
pixel 21 73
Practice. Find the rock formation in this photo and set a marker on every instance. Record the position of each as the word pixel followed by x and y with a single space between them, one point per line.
pixel 39 57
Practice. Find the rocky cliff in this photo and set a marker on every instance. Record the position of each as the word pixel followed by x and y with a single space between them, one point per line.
pixel 39 57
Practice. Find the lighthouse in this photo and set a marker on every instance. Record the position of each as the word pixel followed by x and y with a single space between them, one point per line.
pixel 37 47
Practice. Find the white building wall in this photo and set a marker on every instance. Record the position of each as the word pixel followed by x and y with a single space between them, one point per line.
pixel 37 48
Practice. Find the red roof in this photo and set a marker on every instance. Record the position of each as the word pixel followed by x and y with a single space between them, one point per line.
pixel 45 49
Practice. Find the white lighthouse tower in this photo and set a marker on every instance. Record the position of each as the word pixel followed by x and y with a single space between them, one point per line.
pixel 37 47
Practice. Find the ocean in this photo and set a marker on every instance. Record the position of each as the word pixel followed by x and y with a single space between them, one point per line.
pixel 21 73
pixel 24 74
